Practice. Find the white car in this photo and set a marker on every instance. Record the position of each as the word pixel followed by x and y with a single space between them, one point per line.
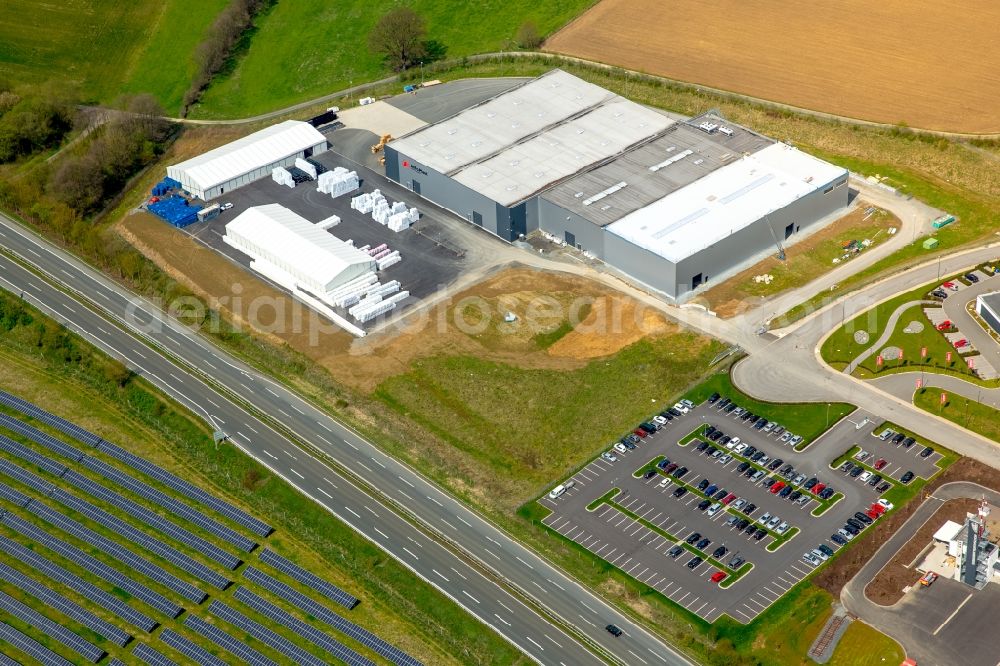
pixel 785 438
pixel 683 409
pixel 741 447
pixel 610 457
pixel 226 206
pixel 739 504
pixel 735 441
pixel 687 403
pixel 816 552
pixel 771 524
pixel 861 455
pixel 886 434
pixel 664 482
pixel 812 559
pixel 620 448
pixel 782 528
pixel 886 503
pixel 864 477
pixel 714 509
pixel 560 489
pixel 659 419
pixel 794 441
pixel 763 519
pixel 844 533
pixel 724 459
pixel 731 444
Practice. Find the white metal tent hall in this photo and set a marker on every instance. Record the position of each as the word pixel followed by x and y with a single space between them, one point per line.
pixel 245 160
pixel 294 252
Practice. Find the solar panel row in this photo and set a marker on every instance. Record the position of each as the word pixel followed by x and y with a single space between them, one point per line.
pixel 8 661
pixel 117 551
pixel 152 519
pixel 189 649
pixel 233 646
pixel 94 566
pixel 141 539
pixel 327 589
pixel 30 455
pixel 300 628
pixel 150 656
pixel 86 590
pixel 189 490
pixel 70 609
pixel 30 647
pixel 29 479
pixel 321 612
pixel 45 439
pixel 179 509
pixel 56 422
pixel 11 606
pixel 264 635
pixel 116 662
pixel 13 496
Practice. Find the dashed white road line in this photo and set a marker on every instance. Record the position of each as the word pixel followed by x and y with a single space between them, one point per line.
pixel 324 492
pixel 412 554
pixel 356 514
pixel 296 473
pixel 270 454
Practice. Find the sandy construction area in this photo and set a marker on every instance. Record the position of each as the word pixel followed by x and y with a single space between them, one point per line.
pixel 930 64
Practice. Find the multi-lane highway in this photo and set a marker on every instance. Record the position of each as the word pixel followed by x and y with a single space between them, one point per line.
pixel 334 466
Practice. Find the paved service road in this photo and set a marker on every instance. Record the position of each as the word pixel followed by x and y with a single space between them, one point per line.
pixel 401 488
pixel 937 625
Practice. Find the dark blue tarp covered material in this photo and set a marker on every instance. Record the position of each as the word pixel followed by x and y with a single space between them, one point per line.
pixel 175 210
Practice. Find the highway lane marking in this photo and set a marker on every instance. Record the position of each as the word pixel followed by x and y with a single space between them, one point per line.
pixel 463 591
pixel 272 392
pixel 404 494
pixel 412 486
pixel 464 521
pixel 330 482
pixel 351 445
pixel 325 439
pixel 68 307
pixel 505 606
pixel 376 515
pixel 284 412
pixel 556 584
pixel 652 652
pixel 413 555
pixel 499 618
pixel 493 540
pixel 378 462
pixel 268 453
pixel 442 576
pixel 587 621
pixel 382 533
pixel 356 514
pixel 289 454
pixel 553 641
pixel 535 642
pixel 217 405
pixel 324 492
pixel 436 502
pixel 638 657
pixel 518 558
pixel 248 425
pixel 323 426
pixel 535 583
pixel 240 434
pixel 949 618
pixel 66 273
pixel 464 578
pixel 584 603
pixel 493 554
pixel 296 473
pixel 297 409
pixel 365 466
pixel 33 252
pixel 449 524
pixel 209 364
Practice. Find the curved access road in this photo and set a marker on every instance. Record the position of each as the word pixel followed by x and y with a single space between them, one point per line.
pixel 890 327
pixel 902 385
pixel 955 306
pixel 920 644
pixel 516 592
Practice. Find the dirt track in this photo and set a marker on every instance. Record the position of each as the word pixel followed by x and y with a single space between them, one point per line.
pixel 929 64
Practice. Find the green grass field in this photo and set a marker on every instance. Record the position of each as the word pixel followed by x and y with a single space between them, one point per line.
pixel 520 430
pixel 863 645
pixel 308 49
pixel 960 410
pixel 105 48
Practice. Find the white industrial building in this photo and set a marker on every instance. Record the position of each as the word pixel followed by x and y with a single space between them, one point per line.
pixel 245 160
pixel 295 253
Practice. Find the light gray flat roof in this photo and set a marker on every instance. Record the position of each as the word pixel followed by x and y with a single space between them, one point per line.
pixel 992 301
pixel 691 152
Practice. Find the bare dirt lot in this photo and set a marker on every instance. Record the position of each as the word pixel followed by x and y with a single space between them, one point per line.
pixel 929 64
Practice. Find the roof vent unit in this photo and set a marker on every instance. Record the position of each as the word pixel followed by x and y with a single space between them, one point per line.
pixel 726 131
pixel 708 127
pixel 578 195
pixel 600 195
pixel 618 114
pixel 452 131
pixel 699 161
pixel 605 207
pixel 511 188
pixel 579 130
pixel 671 149
pixel 670 160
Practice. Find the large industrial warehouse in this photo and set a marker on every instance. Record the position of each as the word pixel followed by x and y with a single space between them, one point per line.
pixel 245 160
pixel 673 204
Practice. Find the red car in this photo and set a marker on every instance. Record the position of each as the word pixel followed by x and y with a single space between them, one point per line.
pixel 945 325
pixel 640 432
pixel 776 488
pixel 877 509
pixel 728 498
pixel 961 343
pixel 818 488
pixel 880 463
pixel 872 514
pixel 718 576
pixel 949 285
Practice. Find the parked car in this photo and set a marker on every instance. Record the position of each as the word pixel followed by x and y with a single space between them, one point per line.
pixel 728 499
pixel 711 490
pixel 825 549
pixel 898 437
pixel 683 409
pixel 818 488
pixel 694 562
pixel 826 494
pixel 610 457
pixel 759 534
pixel 704 483
pixel 863 518
pixel 771 524
pixel 718 576
pixel 703 544
pixel 906 478
pixel 701 446
pixel 856 472
pixel 674 552
pixel 785 437
pixel 739 504
pixel 679 472
pixel 749 508
pixel 778 430
pixel 664 482
pixel 795 440
pixel 959 344
pixel 649 474
pixel 884 486
pixel 776 487
pixel 742 523
pixel 769 426
pixel 704 504
pixel 720 552
pixel 875 480
pixel 940 293
pixel 670 468
pixel 852 529
pixel 880 463
pixel 819 554
pixel 736 561
pixel 972 277
pixel 775 464
pixel 723 459
pixel 782 527
pixel 714 509
pixel 741 447
pixel 837 539
pixel 811 559
pixel 908 442
pixel 928 578
pixel 799 480
pixel 660 420
pixel 639 432
pixel 795 495
pixel 620 448
pixel 680 492
pixel 863 478
pixel 944 326
pixel 742 467
pixel 628 444
pixel 886 504
pixel 693 537
pixel 712 398
pixel 784 492
pixel 888 432
pixel 926 452
pixel 757 476
pixel 763 519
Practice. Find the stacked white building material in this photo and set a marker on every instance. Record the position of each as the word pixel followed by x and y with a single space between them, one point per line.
pixel 308 167
pixel 338 182
pixel 329 222
pixel 403 220
pixel 379 308
pixel 390 259
pixel 365 203
pixel 282 176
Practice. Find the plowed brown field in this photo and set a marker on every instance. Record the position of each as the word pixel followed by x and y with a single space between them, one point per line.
pixel 930 64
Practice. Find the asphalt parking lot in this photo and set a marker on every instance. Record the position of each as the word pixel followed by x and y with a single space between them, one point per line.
pixel 436 103
pixel 636 530
pixel 431 257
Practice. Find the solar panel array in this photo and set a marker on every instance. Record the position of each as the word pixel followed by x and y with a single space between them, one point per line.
pixel 190 650
pixel 183 487
pixel 108 602
pixel 179 509
pixel 327 589
pixel 31 647
pixel 317 610
pixel 305 631
pixel 56 422
pixel 141 539
pixel 30 455
pixel 264 635
pixel 39 437
pixel 150 656
pixel 13 496
pixel 233 646
pixel 70 609
pixel 29 479
pixel 117 551
pixel 186 489
pixel 11 606
pixel 7 661
pixel 153 519
pixel 94 566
